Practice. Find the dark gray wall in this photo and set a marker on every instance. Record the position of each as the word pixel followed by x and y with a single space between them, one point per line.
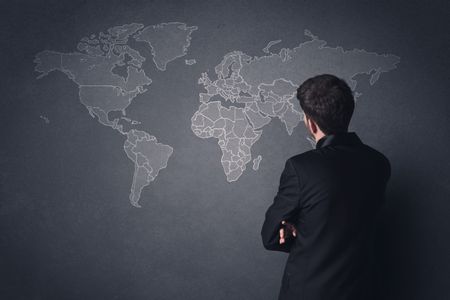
pixel 67 230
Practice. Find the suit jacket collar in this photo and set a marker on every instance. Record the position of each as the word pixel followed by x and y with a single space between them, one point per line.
pixel 346 138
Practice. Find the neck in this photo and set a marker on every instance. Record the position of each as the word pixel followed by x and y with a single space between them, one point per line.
pixel 319 135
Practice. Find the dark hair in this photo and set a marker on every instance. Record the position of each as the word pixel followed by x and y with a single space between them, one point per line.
pixel 328 100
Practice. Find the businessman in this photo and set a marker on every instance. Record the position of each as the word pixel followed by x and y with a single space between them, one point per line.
pixel 324 213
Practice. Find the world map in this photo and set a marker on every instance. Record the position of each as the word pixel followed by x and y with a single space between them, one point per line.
pixel 241 97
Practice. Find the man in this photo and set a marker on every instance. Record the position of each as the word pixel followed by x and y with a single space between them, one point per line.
pixel 325 210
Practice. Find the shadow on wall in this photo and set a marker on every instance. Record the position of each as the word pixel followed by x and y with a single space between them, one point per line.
pixel 396 249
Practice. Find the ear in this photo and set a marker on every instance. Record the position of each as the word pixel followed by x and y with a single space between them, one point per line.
pixel 312 125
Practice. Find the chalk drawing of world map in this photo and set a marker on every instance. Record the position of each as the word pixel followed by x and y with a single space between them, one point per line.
pixel 245 94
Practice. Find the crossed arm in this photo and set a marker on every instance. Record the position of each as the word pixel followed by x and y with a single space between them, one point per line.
pixel 275 234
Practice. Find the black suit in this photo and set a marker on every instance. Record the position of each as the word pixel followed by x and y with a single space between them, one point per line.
pixel 332 195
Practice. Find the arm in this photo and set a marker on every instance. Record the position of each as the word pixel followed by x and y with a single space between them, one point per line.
pixel 285 205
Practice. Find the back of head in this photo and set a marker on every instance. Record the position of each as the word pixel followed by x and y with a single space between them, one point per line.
pixel 328 100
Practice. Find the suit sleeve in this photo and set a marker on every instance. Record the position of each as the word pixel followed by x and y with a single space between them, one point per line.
pixel 285 205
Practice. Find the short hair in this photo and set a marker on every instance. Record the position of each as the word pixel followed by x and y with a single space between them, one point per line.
pixel 328 100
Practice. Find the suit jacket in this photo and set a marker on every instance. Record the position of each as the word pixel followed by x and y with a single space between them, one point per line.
pixel 332 195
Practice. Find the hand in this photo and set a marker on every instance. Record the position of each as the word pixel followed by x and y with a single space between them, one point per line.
pixel 287 231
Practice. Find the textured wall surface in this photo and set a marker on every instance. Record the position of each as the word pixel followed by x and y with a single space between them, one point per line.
pixel 74 221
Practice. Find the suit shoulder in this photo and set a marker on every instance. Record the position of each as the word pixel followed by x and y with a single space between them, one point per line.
pixel 378 154
pixel 384 161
